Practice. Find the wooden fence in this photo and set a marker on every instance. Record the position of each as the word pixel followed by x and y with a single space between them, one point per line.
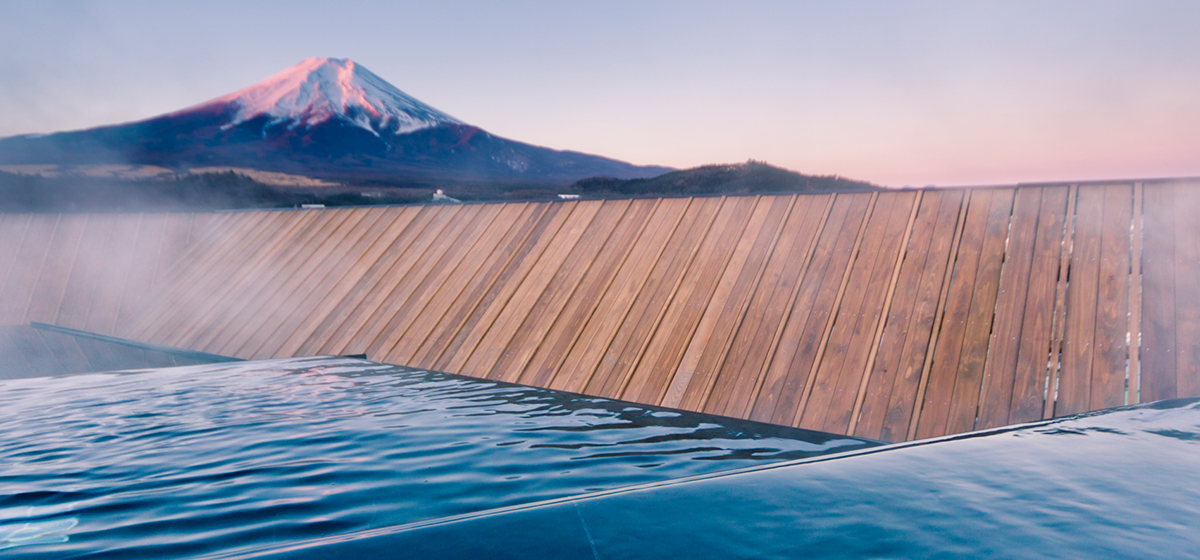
pixel 893 315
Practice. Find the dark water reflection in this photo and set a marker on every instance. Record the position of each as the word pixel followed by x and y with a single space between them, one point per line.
pixel 224 458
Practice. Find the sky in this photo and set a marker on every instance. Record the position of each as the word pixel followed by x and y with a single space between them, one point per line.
pixel 948 93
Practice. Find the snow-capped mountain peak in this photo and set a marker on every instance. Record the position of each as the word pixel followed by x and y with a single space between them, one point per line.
pixel 319 89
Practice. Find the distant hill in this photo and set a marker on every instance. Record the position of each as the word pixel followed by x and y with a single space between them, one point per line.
pixel 205 191
pixel 751 177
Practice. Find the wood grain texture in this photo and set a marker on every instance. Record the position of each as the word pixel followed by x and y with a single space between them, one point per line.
pixel 888 406
pixel 1158 295
pixel 1187 288
pixel 1075 377
pixel 1027 402
pixel 891 316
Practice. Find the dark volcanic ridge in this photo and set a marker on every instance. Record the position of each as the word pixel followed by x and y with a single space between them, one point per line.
pixel 326 118
pixel 752 177
pixel 328 131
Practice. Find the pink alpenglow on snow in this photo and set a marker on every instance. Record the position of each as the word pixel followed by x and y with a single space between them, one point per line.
pixel 318 89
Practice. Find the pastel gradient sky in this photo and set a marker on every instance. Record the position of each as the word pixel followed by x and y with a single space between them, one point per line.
pixel 911 92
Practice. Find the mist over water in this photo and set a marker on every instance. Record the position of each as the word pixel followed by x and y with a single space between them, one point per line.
pixel 202 460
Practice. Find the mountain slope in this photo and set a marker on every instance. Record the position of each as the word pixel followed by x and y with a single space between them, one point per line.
pixel 324 117
pixel 751 177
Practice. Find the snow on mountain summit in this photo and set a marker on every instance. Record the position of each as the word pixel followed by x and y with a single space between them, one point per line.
pixel 319 89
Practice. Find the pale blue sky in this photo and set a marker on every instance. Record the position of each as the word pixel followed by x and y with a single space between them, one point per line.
pixel 913 92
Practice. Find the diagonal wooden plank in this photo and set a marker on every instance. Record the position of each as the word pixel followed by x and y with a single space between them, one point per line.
pixel 948 346
pixel 306 304
pixel 479 291
pixel 1037 335
pixel 433 274
pixel 146 252
pixel 805 329
pixel 686 306
pixel 887 407
pixel 404 230
pixel 532 333
pixel 544 367
pixel 31 257
pixel 999 374
pixel 56 270
pixel 507 283
pixel 710 344
pixel 378 241
pixel 742 373
pixel 594 340
pixel 427 320
pixel 619 360
pixel 355 331
pixel 528 292
pixel 837 377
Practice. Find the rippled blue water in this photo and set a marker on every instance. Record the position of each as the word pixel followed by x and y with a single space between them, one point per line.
pixel 221 459
pixel 1121 484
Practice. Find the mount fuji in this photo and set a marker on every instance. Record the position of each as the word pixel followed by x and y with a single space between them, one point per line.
pixel 326 118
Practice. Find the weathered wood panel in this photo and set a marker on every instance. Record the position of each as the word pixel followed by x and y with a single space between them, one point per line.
pixel 890 315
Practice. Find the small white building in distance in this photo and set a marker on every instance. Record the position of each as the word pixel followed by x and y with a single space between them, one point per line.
pixel 439 196
pixel 568 196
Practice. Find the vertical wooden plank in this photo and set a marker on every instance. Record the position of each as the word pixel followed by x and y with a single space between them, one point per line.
pixel 532 333
pixel 710 344
pixel 891 393
pixel 652 374
pixel 585 354
pixel 1111 351
pixel 948 346
pixel 48 293
pixel 1187 288
pixel 1158 294
pixel 1037 335
pixel 1074 385
pixel 1000 370
pixel 544 367
pixel 27 267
